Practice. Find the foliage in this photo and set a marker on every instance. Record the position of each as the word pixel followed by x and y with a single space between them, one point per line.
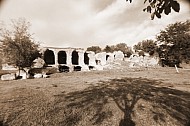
pixel 109 49
pixel 119 47
pixel 95 49
pixel 148 46
pixel 18 46
pixel 157 7
pixel 128 54
pixel 174 43
pixel 141 53
pixel 124 48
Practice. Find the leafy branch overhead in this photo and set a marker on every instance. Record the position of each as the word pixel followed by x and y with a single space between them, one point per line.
pixel 157 7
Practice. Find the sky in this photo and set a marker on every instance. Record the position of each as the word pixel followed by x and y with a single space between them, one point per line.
pixel 85 23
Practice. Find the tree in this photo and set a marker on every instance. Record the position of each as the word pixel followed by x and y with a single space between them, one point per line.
pixel 148 46
pixel 109 49
pixel 123 47
pixel 174 43
pixel 95 49
pixel 18 46
pixel 157 7
pixel 141 53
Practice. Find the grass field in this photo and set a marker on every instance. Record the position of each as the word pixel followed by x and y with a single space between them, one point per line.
pixel 119 97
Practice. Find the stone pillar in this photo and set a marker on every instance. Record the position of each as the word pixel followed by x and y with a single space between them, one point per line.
pixel 110 58
pixel 92 59
pixel 119 55
pixel 101 57
pixel 56 56
pixel 69 57
pixel 81 58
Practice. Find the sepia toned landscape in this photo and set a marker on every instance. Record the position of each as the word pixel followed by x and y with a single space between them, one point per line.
pixel 154 96
pixel 94 63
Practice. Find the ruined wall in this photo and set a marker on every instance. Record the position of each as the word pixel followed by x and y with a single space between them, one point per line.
pixel 140 61
pixel 77 57
pixel 118 55
pixel 101 58
pixel 92 59
pixel 110 57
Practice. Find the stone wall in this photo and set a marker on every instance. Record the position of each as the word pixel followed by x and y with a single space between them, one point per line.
pixel 140 61
pixel 73 57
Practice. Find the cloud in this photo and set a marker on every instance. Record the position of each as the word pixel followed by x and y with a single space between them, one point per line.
pixel 89 22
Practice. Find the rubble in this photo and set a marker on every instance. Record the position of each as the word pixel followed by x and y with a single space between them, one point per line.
pixel 22 74
pixel 8 67
pixel 77 59
pixel 38 63
pixel 119 55
pixel 143 61
pixel 11 76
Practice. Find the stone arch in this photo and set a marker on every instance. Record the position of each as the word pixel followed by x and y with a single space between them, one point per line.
pixel 86 58
pixel 62 57
pixel 75 58
pixel 49 57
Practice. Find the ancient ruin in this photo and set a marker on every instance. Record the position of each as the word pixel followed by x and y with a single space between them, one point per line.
pixel 77 59
pixel 68 59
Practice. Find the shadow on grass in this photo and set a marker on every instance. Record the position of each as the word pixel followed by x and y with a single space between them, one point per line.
pixel 125 93
pixel 2 124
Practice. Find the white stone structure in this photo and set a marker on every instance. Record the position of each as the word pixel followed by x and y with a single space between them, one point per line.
pixel 109 57
pixel 23 74
pixel 92 59
pixel 119 55
pixel 38 63
pixel 101 58
pixel 140 61
pixel 11 76
pixel 78 58
pixel 71 57
pixel 8 67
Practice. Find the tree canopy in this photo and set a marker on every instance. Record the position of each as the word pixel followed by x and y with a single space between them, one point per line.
pixel 95 49
pixel 174 42
pixel 18 46
pixel 148 46
pixel 109 49
pixel 157 7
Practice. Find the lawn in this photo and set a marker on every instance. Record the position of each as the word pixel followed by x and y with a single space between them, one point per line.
pixel 120 97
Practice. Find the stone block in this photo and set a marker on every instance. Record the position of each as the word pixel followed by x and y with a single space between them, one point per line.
pixel 11 76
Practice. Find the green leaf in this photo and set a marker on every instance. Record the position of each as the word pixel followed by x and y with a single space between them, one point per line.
pixel 129 0
pixel 148 9
pixel 160 10
pixel 152 16
pixel 152 5
pixel 175 6
pixel 167 10
pixel 145 1
pixel 157 14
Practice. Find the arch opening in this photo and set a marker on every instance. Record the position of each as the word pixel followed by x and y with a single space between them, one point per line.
pixel 62 57
pixel 49 57
pixel 86 58
pixel 75 58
